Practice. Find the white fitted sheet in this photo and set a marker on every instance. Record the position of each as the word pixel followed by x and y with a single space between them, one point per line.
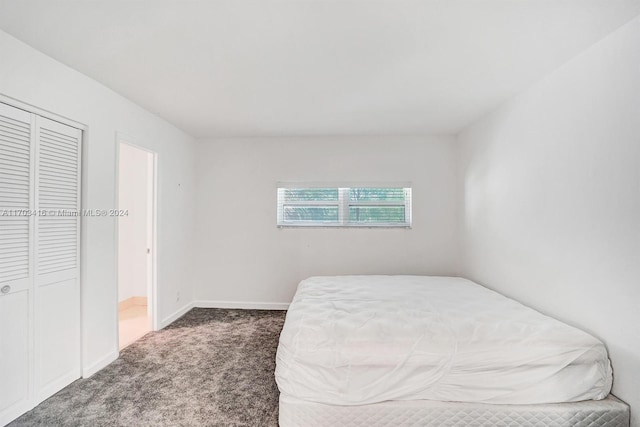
pixel 353 340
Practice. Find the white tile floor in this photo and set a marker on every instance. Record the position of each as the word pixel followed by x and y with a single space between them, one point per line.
pixel 133 323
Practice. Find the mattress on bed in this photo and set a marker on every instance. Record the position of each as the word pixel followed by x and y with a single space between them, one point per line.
pixel 353 340
pixel 609 412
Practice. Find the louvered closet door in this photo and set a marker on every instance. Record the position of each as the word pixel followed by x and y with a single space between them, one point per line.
pixel 16 225
pixel 57 260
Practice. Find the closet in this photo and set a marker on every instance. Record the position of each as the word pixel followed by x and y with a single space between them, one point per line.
pixel 40 349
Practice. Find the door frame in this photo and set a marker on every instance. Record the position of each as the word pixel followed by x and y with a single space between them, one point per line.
pixel 152 285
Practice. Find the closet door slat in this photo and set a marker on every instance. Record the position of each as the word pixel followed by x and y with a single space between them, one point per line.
pixel 57 256
pixel 58 150
pixel 17 148
pixel 15 191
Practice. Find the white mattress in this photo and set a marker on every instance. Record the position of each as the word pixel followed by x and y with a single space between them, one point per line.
pixel 354 340
pixel 609 412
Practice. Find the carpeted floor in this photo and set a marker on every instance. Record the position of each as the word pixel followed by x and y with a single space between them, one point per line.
pixel 212 367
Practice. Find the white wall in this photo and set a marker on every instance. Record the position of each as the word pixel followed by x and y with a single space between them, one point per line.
pixel 132 228
pixel 551 200
pixel 32 77
pixel 243 256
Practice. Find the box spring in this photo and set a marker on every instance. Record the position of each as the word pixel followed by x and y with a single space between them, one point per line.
pixel 609 412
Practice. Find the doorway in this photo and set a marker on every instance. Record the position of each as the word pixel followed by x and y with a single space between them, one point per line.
pixel 136 237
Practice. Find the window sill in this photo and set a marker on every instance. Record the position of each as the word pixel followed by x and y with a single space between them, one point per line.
pixel 368 226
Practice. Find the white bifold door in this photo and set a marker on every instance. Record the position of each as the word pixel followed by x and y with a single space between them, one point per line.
pixel 39 259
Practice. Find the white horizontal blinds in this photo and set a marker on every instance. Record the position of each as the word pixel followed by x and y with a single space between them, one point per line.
pixel 379 205
pixel 354 206
pixel 57 197
pixel 15 193
pixel 309 205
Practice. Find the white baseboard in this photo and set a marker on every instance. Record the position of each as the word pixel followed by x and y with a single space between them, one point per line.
pixel 247 305
pixel 176 315
pixel 95 367
pixel 14 412
pixel 55 386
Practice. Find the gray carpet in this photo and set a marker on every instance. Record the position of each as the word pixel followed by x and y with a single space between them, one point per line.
pixel 212 367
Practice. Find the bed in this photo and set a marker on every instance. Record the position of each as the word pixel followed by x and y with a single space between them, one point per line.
pixel 422 351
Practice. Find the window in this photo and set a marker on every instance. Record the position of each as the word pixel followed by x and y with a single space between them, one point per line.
pixel 324 206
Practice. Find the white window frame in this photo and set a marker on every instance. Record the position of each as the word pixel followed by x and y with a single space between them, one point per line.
pixel 343 204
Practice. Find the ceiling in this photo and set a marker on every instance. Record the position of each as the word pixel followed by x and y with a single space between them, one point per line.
pixel 315 67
